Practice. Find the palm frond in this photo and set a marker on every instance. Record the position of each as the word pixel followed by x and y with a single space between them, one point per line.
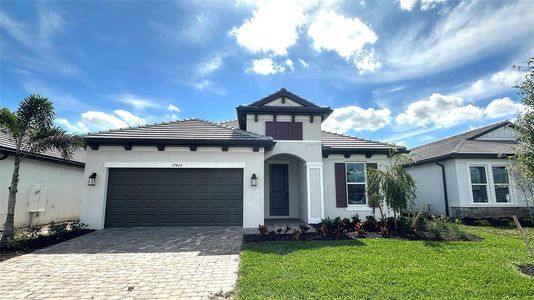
pixel 54 138
pixel 35 112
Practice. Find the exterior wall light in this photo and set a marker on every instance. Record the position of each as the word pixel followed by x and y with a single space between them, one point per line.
pixel 254 180
pixel 92 180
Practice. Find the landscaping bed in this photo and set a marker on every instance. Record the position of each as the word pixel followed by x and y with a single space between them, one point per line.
pixel 29 240
pixel 428 228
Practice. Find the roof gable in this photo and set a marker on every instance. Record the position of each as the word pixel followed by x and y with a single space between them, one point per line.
pixel 281 97
pixel 467 144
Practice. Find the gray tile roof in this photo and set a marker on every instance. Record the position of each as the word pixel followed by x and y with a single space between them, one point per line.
pixel 340 141
pixel 190 130
pixel 335 141
pixel 466 145
pixel 78 157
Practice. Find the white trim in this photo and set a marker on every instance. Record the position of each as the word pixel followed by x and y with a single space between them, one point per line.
pixel 308 191
pixel 358 208
pixel 311 164
pixel 490 186
pixel 479 184
pixel 364 183
pixel 175 165
pixel 322 192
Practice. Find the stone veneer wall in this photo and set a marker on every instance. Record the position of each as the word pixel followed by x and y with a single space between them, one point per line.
pixel 488 212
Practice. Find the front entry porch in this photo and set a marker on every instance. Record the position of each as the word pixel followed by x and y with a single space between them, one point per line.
pixel 293 190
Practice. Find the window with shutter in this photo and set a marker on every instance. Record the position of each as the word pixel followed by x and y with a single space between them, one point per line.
pixel 284 130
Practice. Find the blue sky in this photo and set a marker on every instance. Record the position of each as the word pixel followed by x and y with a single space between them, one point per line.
pixel 408 71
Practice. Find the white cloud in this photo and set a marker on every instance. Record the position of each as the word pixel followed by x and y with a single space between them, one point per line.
pixel 79 127
pixel 265 66
pixel 290 65
pixel 502 107
pixel 209 66
pixel 304 64
pixel 273 27
pixel 129 118
pixel 173 108
pixel 101 120
pixel 491 85
pixel 137 102
pixel 471 31
pixel 356 118
pixel 407 4
pixel 439 110
pixel 97 120
pixel 346 36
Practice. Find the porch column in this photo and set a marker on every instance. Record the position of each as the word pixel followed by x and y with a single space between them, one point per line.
pixel 314 188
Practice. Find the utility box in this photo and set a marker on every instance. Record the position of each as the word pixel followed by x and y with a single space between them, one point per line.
pixel 37 198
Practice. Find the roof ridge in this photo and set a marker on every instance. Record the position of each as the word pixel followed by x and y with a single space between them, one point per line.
pixel 252 134
pixel 467 133
pixel 353 137
pixel 145 125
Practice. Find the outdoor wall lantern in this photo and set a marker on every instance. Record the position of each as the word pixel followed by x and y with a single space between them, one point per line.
pixel 254 180
pixel 92 179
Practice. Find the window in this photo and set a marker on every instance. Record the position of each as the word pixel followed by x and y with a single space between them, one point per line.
pixel 284 130
pixel 501 184
pixel 356 183
pixel 479 184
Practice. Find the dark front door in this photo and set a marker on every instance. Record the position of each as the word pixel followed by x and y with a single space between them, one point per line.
pixel 174 197
pixel 279 190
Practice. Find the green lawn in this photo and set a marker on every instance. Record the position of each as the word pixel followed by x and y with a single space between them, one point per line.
pixel 387 269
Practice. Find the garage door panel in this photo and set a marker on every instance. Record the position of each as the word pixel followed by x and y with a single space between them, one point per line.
pixel 174 197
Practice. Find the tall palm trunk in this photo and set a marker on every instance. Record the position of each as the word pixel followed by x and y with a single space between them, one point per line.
pixel 10 217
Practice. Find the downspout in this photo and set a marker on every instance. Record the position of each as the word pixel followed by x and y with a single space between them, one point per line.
pixel 445 195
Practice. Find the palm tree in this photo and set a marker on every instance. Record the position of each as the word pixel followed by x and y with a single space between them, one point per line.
pixel 393 184
pixel 31 128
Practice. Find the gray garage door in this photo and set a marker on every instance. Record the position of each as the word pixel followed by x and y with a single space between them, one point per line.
pixel 174 197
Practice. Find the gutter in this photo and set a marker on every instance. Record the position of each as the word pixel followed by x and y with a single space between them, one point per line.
pixel 445 194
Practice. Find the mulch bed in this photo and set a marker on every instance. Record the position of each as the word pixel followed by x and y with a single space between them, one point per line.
pixel 527 269
pixel 352 235
pixel 39 243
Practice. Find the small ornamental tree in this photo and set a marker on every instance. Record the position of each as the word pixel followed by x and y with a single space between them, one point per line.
pixel 393 184
pixel 31 128
pixel 524 124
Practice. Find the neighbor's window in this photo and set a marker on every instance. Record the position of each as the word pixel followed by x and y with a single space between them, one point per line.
pixel 356 183
pixel 501 184
pixel 479 184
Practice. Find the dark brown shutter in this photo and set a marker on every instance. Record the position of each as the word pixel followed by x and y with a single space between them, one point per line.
pixel 270 129
pixel 283 130
pixel 341 185
pixel 372 189
pixel 295 132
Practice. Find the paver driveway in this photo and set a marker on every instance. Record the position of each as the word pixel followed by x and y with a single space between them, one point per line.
pixel 136 263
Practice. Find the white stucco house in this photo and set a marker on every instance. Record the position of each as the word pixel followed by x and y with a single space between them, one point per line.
pixel 49 186
pixel 273 162
pixel 467 175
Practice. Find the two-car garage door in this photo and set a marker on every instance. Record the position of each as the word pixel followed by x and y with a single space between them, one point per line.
pixel 174 197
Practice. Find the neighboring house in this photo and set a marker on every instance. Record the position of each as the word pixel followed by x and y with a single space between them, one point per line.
pixel 467 175
pixel 273 162
pixel 49 186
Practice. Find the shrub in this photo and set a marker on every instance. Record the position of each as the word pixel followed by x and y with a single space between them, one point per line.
pixel 279 230
pixel 484 222
pixel 437 229
pixel 370 223
pixel 263 229
pixel 303 228
pixel 329 223
pixel 296 234
pixel 287 229
pixel 458 231
pixel 339 231
pixel 384 232
pixel 356 219
pixel 360 231
pixel 58 229
pixel 322 231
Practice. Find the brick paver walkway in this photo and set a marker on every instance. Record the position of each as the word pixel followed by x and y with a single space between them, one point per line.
pixel 133 263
